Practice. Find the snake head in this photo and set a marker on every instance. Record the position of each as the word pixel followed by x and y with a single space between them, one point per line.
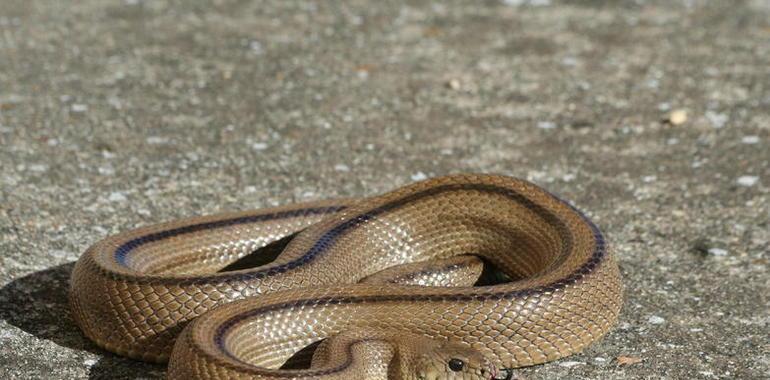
pixel 447 361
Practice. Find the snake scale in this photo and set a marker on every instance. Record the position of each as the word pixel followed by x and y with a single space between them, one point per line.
pixel 371 288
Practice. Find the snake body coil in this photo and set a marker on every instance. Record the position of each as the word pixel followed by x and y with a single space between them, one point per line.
pixel 350 278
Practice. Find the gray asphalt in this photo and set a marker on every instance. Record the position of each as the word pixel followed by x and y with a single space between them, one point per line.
pixel 651 115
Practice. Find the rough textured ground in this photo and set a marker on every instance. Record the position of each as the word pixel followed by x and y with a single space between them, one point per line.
pixel 115 114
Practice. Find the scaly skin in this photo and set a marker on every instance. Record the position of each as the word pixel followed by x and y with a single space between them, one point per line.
pixel 134 292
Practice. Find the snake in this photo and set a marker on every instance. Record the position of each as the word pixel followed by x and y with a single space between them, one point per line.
pixel 464 276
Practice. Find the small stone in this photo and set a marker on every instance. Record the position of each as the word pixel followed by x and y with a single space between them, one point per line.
pixel 570 364
pixel 256 47
pixel 259 146
pixel 453 84
pixel 546 125
pixel 600 359
pixel 569 61
pixel 106 170
pixel 79 108
pixel 363 71
pixel 677 117
pixel 750 139
pixel 89 362
pixel 717 251
pixel 5 334
pixel 514 3
pixel 156 140
pixel 656 320
pixel 341 168
pixel 116 197
pixel 39 168
pixel 61 254
pixel 532 3
pixel 419 176
pixel 717 120
pixel 747 180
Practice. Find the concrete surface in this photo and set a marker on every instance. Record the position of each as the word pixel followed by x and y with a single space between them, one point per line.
pixel 116 114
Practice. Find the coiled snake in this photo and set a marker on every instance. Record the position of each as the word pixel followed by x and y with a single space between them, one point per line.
pixel 354 278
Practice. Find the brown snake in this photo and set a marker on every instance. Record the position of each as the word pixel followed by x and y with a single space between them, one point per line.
pixel 354 278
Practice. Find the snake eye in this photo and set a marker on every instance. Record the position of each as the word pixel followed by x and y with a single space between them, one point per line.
pixel 456 365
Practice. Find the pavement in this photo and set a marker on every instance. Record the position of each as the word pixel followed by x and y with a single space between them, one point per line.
pixel 650 115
